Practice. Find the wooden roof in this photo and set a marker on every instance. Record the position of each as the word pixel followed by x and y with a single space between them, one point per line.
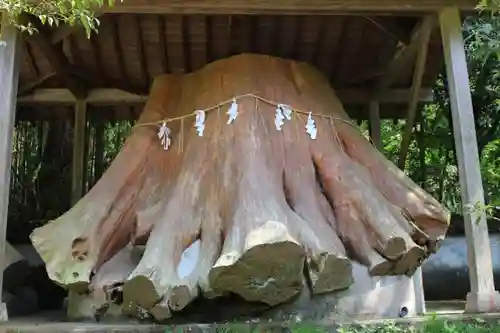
pixel 352 49
pixel 285 6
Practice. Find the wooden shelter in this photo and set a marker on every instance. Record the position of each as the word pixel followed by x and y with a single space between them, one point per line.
pixel 381 56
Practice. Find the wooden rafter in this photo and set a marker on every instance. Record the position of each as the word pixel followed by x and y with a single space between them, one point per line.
pixel 75 79
pixel 418 74
pixel 405 56
pixel 97 79
pixel 33 68
pixel 57 60
pixel 374 122
pixel 117 47
pixel 141 53
pixel 28 88
pixel 78 167
pixel 186 44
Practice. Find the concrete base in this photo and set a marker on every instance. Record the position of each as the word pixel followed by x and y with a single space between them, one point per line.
pixel 446 273
pixel 3 312
pixel 369 297
pixel 482 302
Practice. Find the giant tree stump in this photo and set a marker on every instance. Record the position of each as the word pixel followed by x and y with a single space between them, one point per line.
pixel 245 209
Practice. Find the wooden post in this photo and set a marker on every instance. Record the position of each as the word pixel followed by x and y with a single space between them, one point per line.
pixel 421 151
pixel 418 74
pixel 374 123
pixel 482 297
pixel 10 59
pixel 418 284
pixel 375 134
pixel 99 151
pixel 80 126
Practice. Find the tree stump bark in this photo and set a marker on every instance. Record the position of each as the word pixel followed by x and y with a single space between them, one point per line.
pixel 245 209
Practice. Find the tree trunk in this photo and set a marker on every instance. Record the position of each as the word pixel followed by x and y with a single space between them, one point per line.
pixel 245 209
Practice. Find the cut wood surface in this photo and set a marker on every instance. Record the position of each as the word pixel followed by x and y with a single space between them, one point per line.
pixel 245 209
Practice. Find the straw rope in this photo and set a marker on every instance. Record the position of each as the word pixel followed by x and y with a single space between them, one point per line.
pixel 237 98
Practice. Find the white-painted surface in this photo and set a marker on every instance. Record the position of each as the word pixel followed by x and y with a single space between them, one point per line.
pixel 189 259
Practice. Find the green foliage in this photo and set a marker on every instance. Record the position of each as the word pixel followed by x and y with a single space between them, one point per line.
pixel 54 12
pixel 432 325
pixel 41 168
pixel 432 159
pixel 489 4
pixel 482 36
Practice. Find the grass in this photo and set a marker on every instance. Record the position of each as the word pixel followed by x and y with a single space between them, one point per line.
pixel 432 325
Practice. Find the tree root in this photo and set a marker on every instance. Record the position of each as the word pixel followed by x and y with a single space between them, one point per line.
pixel 246 209
pixel 101 223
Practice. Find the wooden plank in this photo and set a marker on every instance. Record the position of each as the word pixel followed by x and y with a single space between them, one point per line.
pixel 405 56
pixel 56 59
pixel 374 122
pixel 393 96
pixel 10 59
pixel 418 74
pixel 110 97
pixel 48 97
pixel 78 167
pixel 283 6
pixel 482 297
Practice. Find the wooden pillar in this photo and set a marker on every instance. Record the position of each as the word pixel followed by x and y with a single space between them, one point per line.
pixel 418 74
pixel 375 134
pixel 418 284
pixel 80 126
pixel 482 296
pixel 374 123
pixel 9 74
pixel 99 150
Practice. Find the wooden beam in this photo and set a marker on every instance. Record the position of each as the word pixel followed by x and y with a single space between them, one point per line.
pixel 28 88
pixel 393 96
pixel 482 296
pixel 111 97
pixel 405 56
pixel 418 74
pixel 283 6
pixel 361 112
pixel 78 167
pixel 56 59
pixel 374 124
pixel 388 25
pixel 10 59
pixel 99 97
